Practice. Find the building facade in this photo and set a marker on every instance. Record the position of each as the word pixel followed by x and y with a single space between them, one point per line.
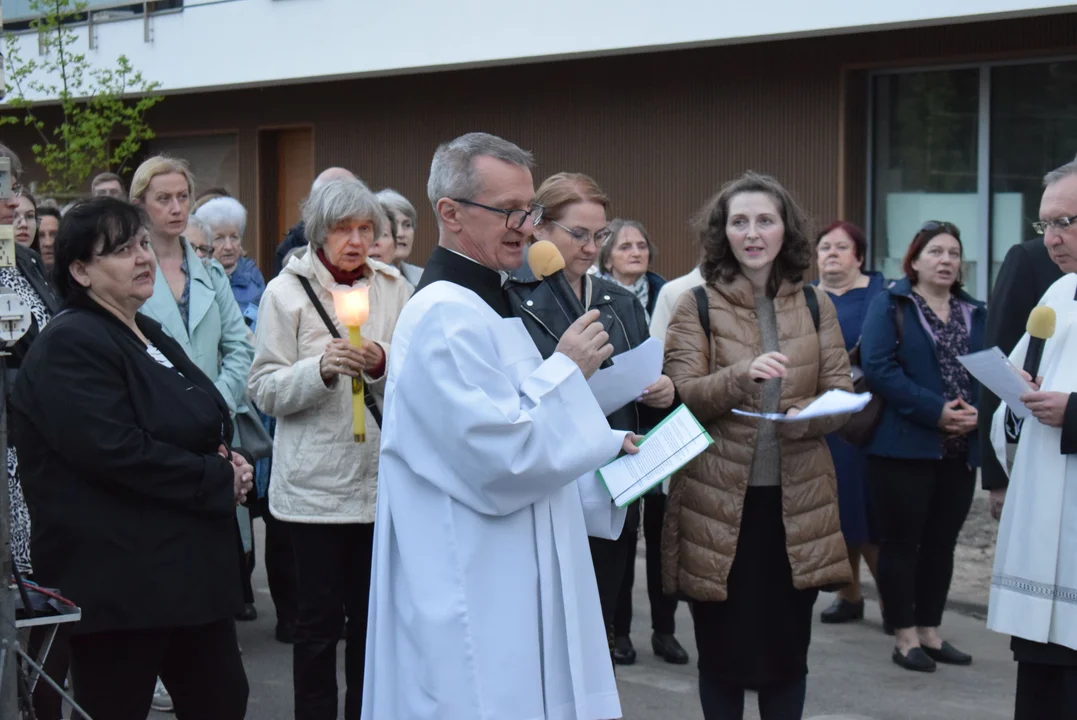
pixel 887 117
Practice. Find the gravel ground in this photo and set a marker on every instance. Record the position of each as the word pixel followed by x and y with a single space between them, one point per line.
pixel 975 555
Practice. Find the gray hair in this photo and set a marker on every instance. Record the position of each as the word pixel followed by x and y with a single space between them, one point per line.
pixel 336 201
pixel 615 229
pixel 396 202
pixel 223 211
pixel 452 173
pixel 1060 173
pixel 193 221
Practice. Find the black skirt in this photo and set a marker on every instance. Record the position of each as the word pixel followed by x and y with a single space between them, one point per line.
pixel 760 635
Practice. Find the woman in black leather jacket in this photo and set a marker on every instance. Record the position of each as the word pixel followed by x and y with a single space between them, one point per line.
pixel 574 218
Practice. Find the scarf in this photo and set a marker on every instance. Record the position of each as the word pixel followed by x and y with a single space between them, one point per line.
pixel 343 277
pixel 1034 583
pixel 641 289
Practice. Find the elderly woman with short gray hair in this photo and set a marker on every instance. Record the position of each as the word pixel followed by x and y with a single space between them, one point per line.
pixel 405 219
pixel 323 483
pixel 226 220
pixel 625 259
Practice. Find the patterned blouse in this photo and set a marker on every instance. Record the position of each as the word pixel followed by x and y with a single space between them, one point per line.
pixel 20 516
pixel 184 302
pixel 951 341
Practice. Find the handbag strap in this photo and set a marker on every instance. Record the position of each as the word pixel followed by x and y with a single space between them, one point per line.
pixel 368 398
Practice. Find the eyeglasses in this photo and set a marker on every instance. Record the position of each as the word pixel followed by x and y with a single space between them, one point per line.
pixel 939 225
pixel 581 236
pixel 206 250
pixel 1058 223
pixel 514 219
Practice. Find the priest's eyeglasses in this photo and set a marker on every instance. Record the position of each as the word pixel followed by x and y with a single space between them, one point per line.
pixel 514 219
pixel 1058 223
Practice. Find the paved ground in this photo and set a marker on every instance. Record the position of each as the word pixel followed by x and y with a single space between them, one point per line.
pixel 852 677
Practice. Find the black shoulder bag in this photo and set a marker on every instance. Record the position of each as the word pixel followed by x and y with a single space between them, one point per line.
pixel 368 398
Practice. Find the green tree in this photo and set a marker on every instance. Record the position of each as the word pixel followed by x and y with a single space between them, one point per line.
pixel 102 110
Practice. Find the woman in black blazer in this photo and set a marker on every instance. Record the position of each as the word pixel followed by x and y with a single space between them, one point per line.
pixel 130 483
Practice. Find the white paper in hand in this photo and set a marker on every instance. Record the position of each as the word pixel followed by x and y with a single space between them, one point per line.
pixel 632 373
pixel 832 402
pixel 664 450
pixel 996 373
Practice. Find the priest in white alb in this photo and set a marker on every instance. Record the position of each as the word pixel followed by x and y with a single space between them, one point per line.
pixel 1034 584
pixel 483 603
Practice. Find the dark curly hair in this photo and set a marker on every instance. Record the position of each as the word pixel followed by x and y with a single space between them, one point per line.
pixel 719 263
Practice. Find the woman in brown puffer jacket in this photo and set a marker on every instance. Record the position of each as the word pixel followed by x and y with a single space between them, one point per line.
pixel 752 530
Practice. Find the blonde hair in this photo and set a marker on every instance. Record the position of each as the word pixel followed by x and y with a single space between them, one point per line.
pixel 158 165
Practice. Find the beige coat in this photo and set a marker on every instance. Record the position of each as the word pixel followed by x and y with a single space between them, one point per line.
pixel 706 497
pixel 320 474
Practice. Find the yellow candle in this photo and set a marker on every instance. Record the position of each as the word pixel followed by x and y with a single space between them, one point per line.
pixel 358 401
pixel 352 305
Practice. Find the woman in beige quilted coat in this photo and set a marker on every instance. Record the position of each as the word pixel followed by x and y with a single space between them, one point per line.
pixel 324 483
pixel 752 530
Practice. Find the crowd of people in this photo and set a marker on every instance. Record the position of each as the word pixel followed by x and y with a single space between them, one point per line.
pixel 464 551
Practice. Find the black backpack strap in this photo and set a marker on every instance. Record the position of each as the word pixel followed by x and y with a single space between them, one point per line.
pixel 368 398
pixel 703 306
pixel 813 305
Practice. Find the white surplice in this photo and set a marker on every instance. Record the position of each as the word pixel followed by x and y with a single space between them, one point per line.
pixel 483 603
pixel 1034 583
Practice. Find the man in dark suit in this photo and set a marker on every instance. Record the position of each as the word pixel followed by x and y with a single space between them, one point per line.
pixel 1025 275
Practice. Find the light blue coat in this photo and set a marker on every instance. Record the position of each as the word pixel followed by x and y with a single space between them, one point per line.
pixel 217 341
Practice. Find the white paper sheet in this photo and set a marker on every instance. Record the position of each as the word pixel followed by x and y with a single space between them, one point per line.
pixel 631 374
pixel 674 442
pixel 832 402
pixel 995 372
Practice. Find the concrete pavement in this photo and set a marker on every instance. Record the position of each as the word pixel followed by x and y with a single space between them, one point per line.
pixel 852 677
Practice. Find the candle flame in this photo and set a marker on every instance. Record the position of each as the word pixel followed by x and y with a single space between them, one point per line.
pixel 352 305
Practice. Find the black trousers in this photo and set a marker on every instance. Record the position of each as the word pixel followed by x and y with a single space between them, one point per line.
pixel 1045 691
pixel 610 558
pixel 663 607
pixel 779 701
pixel 246 564
pixel 920 506
pixel 114 673
pixel 333 571
pixel 280 568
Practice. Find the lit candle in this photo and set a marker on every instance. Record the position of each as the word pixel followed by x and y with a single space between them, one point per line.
pixel 352 305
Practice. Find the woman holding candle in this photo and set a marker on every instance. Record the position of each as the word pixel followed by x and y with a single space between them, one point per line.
pixel 324 481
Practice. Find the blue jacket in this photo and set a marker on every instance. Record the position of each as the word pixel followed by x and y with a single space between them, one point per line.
pixel 217 338
pixel 908 377
pixel 247 287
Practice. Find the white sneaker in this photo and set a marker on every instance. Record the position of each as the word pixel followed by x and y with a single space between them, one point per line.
pixel 162 701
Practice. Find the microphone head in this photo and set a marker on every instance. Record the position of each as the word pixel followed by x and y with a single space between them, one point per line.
pixel 545 259
pixel 1041 322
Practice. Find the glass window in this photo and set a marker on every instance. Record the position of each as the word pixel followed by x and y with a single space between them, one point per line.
pixel 214 159
pixel 1033 131
pixel 925 163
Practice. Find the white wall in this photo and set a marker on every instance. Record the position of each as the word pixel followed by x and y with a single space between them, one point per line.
pixel 260 42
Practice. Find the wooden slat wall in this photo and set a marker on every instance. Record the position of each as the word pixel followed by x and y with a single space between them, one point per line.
pixel 660 132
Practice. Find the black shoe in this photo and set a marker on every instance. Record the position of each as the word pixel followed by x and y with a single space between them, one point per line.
pixel 285 633
pixel 248 614
pixel 842 611
pixel 948 655
pixel 666 647
pixel 916 659
pixel 623 652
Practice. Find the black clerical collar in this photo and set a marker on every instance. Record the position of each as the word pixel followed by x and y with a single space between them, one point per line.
pixel 461 270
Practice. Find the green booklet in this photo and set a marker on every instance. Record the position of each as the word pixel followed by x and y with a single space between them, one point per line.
pixel 662 452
